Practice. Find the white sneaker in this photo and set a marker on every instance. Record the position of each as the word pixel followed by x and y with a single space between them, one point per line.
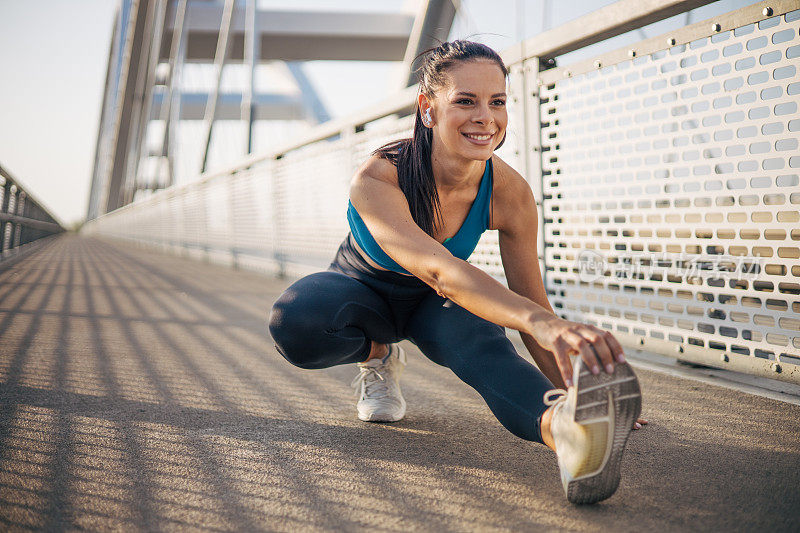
pixel 590 426
pixel 379 396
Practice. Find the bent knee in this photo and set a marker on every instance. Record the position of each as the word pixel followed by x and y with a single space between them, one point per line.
pixel 286 330
pixel 300 359
pixel 295 334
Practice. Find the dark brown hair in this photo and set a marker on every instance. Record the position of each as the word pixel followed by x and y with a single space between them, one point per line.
pixel 412 157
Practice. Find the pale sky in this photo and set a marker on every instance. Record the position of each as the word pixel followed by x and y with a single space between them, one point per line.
pixel 54 64
pixel 54 56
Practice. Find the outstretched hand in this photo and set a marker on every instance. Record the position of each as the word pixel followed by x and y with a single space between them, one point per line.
pixel 598 348
pixel 595 346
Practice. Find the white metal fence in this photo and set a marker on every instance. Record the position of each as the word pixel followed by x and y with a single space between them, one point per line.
pixel 667 175
pixel 671 192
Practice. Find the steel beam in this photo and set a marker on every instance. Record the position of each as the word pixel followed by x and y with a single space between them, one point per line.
pixel 219 63
pixel 123 125
pixel 204 17
pixel 156 13
pixel 315 109
pixel 137 102
pixel 250 59
pixel 170 112
pixel 105 112
pixel 229 106
pixel 297 36
pixel 431 26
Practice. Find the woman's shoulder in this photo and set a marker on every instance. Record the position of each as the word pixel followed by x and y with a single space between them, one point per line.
pixel 507 182
pixel 511 194
pixel 377 168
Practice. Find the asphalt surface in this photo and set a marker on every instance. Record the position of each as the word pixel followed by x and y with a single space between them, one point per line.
pixel 141 391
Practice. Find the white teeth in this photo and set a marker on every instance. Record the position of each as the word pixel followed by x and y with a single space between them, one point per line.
pixel 478 137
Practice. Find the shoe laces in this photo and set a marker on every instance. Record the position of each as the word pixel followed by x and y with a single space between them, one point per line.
pixel 374 384
pixel 555 396
pixel 371 376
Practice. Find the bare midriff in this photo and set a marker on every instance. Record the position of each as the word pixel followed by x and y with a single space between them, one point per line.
pixel 372 263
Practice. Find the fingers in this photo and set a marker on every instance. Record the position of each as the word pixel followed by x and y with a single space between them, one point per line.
pixel 596 347
pixel 593 349
pixel 601 347
pixel 561 351
pixel 613 344
pixel 606 346
pixel 584 348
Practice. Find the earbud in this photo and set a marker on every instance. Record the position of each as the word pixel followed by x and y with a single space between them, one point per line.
pixel 428 118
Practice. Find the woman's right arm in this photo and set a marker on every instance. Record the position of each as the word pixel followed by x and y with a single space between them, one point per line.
pixel 384 209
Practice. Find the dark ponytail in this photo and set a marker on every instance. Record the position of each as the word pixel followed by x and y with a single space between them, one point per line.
pixel 412 157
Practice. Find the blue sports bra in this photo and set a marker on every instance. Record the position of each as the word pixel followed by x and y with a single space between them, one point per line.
pixel 461 245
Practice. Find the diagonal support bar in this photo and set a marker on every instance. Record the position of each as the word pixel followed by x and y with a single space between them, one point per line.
pixel 166 113
pixel 219 62
pixel 250 59
pixel 147 103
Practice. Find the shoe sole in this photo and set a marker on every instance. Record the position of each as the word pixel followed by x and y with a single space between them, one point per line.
pixel 594 394
pixel 383 417
pixel 380 418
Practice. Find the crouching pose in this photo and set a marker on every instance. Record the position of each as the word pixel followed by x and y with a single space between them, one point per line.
pixel 417 209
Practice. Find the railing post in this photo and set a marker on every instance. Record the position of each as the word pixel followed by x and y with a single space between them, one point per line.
pixel 230 205
pixel 22 210
pixel 277 225
pixel 533 149
pixel 6 195
pixel 13 235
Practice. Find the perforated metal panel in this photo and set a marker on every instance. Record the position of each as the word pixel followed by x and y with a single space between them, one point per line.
pixel 671 194
pixel 253 218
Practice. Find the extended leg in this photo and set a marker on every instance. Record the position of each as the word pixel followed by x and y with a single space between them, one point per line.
pixel 481 355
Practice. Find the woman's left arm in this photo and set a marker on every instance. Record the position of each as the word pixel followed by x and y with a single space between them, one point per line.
pixel 518 226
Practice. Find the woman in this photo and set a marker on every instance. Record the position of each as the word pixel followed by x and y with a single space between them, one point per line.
pixel 417 209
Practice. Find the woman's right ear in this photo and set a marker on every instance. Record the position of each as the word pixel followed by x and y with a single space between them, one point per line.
pixel 425 110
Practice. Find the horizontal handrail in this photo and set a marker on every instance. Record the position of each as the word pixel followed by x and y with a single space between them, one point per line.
pixel 599 25
pixel 31 222
pixel 30 198
pixel 23 219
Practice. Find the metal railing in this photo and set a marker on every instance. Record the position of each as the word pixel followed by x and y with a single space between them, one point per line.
pixel 665 172
pixel 23 220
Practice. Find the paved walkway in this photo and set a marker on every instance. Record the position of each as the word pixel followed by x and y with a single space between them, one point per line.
pixel 141 391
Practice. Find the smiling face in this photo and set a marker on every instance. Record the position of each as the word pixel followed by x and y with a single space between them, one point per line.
pixel 469 112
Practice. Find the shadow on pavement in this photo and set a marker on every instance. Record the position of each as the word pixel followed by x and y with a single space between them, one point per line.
pixel 139 390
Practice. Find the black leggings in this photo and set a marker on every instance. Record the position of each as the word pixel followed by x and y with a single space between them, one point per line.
pixel 330 318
